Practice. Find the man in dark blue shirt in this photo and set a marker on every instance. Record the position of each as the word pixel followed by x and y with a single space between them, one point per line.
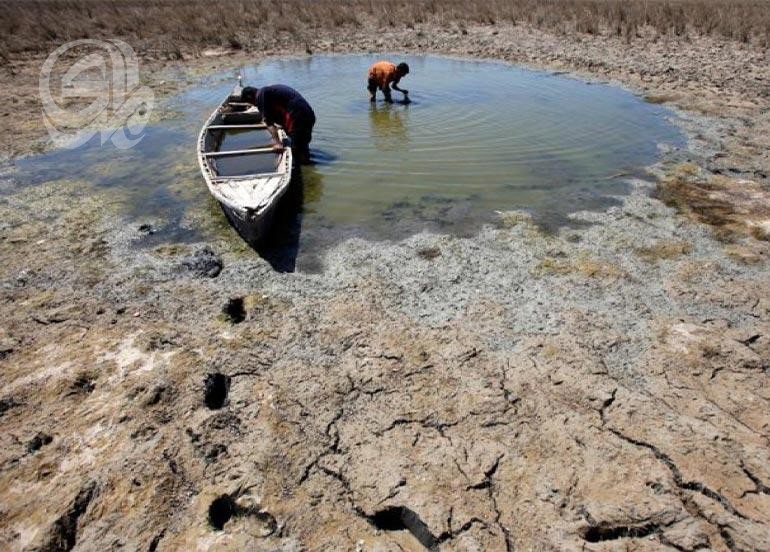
pixel 281 104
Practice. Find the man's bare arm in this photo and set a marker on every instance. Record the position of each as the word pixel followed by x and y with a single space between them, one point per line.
pixel 273 130
pixel 396 87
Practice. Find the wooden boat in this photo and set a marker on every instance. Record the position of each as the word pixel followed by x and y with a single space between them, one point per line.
pixel 241 168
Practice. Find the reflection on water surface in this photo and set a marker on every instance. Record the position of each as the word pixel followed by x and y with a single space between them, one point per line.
pixel 478 137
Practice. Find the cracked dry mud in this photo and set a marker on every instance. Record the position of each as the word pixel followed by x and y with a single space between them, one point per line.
pixel 464 401
pixel 602 388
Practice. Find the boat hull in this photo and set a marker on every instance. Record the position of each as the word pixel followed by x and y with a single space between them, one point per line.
pixel 249 201
pixel 255 229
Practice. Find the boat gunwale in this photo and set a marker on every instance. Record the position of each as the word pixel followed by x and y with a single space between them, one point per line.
pixel 213 179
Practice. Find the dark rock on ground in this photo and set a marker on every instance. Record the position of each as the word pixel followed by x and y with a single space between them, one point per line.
pixel 204 263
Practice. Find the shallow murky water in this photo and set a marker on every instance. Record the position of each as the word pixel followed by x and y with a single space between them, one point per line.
pixel 478 137
pixel 493 136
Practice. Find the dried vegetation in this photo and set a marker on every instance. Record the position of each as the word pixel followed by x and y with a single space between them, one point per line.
pixel 732 207
pixel 170 27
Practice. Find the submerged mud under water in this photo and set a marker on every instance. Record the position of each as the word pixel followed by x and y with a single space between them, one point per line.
pixel 478 137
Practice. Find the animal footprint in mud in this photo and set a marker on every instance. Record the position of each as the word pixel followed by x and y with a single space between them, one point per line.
pixel 217 386
pixel 38 442
pixel 234 310
pixel 241 515
pixel 400 518
pixel 220 511
pixel 83 385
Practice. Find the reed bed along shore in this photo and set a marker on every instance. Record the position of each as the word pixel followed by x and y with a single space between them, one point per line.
pixel 169 27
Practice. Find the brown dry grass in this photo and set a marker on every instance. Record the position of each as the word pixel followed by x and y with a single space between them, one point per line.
pixel 694 198
pixel 733 208
pixel 664 250
pixel 584 265
pixel 169 26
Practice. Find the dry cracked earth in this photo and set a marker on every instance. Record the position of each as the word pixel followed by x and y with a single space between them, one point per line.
pixel 600 388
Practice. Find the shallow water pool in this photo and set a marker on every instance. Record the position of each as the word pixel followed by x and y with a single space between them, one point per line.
pixel 478 137
pixel 487 135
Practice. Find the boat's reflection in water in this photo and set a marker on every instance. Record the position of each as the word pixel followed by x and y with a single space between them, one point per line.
pixel 280 247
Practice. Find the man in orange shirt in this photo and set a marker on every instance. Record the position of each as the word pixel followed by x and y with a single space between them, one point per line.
pixel 385 74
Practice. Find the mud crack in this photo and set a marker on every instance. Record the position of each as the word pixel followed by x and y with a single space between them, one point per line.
pixel 333 448
pixel 488 484
pixel 605 531
pixel 676 473
pixel 488 474
pixel 428 422
pixel 606 404
pixel 759 486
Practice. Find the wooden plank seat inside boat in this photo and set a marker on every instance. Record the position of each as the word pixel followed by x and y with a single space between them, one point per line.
pixel 241 148
pixel 245 164
pixel 265 149
pixel 238 140
pixel 240 116
pixel 236 127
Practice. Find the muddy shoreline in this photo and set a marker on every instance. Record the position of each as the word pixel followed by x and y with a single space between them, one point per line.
pixel 601 387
